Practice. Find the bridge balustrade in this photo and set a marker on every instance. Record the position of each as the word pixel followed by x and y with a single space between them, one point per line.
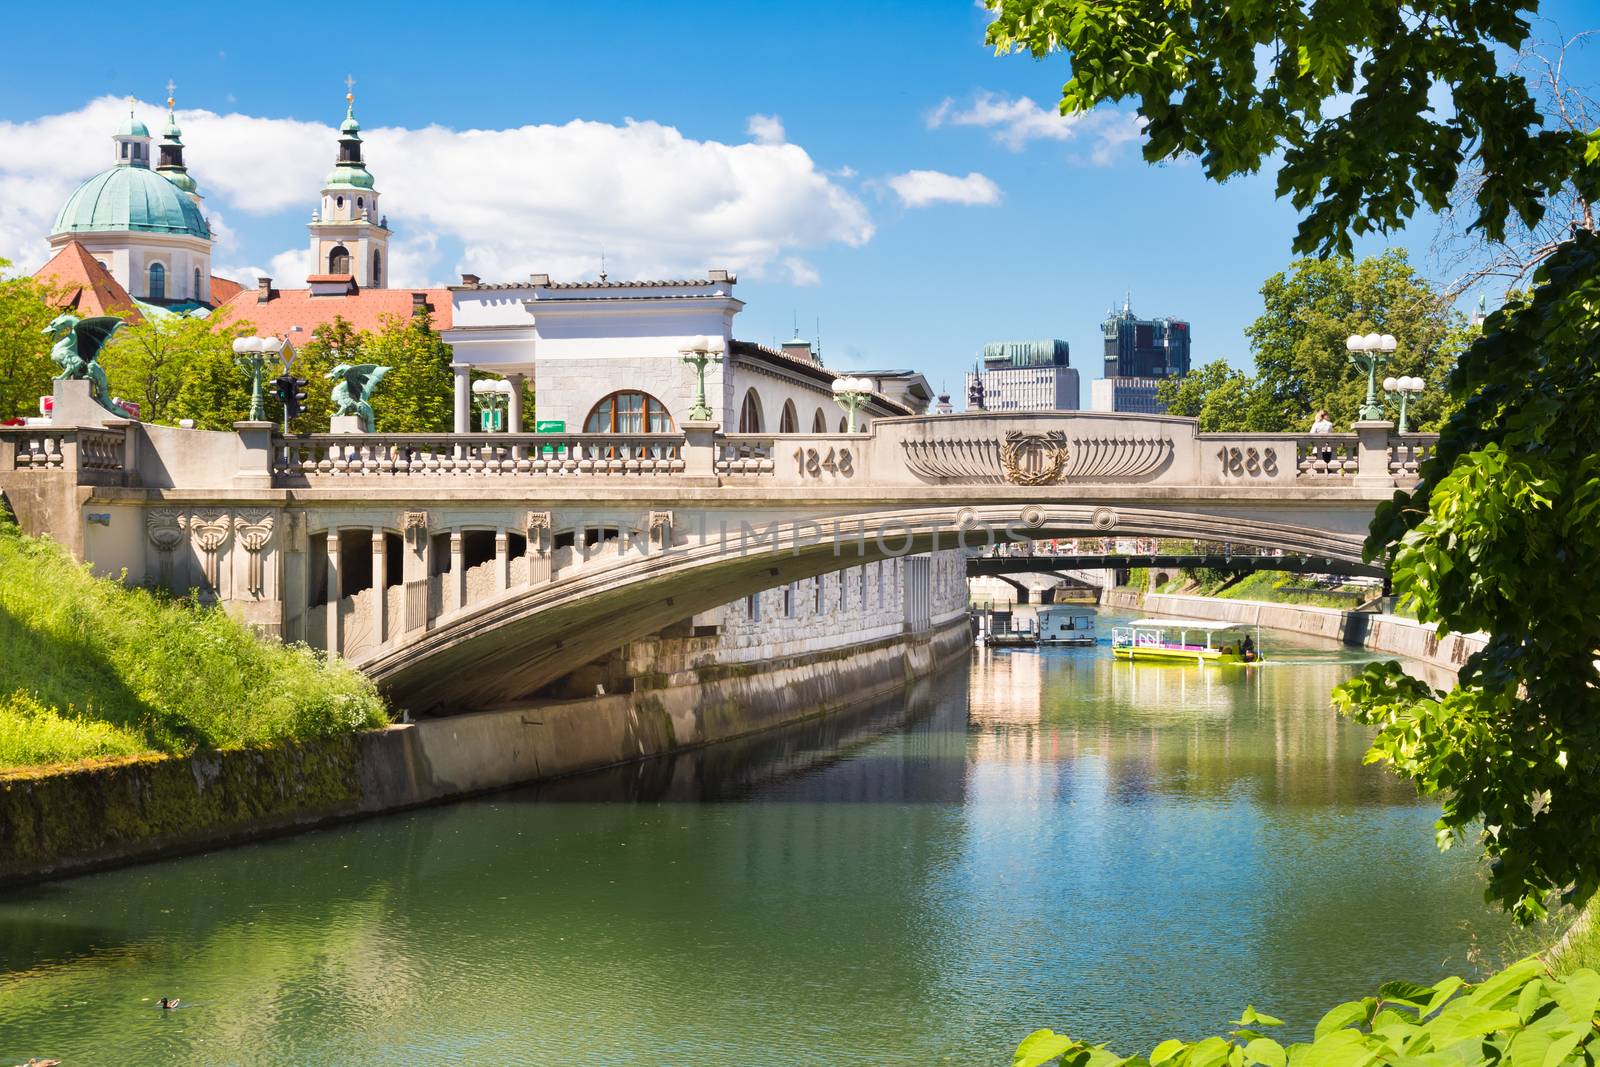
pixel 487 454
pixel 1408 452
pixel 48 448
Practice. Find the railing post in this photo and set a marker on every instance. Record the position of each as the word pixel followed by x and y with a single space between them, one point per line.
pixel 8 452
pixel 1372 453
pixel 255 455
pixel 67 442
pixel 699 449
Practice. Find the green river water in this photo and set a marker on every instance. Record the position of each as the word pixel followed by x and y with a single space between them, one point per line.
pixel 1127 852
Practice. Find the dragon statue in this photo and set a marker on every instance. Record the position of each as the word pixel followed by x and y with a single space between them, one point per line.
pixel 76 348
pixel 353 393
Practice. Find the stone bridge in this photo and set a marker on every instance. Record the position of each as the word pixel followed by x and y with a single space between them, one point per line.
pixel 468 570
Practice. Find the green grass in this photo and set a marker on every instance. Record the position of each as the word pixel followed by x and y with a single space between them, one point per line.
pixel 1273 586
pixel 90 668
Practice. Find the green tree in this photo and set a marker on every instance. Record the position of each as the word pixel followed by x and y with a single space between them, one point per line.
pixel 25 367
pixel 180 367
pixel 331 343
pixel 417 395
pixel 1502 532
pixel 1220 396
pixel 1310 309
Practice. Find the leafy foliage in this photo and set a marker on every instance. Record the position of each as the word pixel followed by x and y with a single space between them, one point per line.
pixel 25 367
pixel 415 397
pixel 180 367
pixel 1298 343
pixel 1503 535
pixel 1521 1017
pixel 1341 88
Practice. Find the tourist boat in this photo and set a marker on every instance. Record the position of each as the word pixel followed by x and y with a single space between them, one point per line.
pixel 999 629
pixel 1064 626
pixel 1186 641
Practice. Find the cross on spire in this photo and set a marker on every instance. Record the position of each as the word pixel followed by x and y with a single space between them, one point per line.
pixel 349 89
pixel 171 88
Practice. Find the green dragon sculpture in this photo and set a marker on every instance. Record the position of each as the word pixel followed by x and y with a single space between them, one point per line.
pixel 353 393
pixel 76 349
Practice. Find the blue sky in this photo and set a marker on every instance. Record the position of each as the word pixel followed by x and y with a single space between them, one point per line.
pixel 1071 224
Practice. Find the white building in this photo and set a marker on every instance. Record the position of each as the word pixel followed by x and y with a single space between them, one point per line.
pixel 607 357
pixel 1025 376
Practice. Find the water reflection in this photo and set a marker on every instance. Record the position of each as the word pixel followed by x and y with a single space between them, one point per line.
pixel 1051 838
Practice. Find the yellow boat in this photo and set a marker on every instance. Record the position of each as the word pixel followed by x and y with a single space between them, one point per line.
pixel 1185 641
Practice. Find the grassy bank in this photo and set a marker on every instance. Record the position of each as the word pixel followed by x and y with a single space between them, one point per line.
pixel 90 669
pixel 1275 587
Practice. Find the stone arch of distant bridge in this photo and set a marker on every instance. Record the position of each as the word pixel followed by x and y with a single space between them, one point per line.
pixel 506 648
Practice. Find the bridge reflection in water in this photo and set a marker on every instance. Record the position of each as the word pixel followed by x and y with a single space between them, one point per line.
pixel 1044 839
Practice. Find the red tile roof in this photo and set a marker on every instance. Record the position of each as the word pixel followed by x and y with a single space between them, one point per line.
pixel 223 290
pixel 83 286
pixel 365 310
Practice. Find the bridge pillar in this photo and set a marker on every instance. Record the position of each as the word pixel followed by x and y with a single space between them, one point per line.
pixel 332 607
pixel 457 598
pixel 1372 453
pixel 699 448
pixel 380 589
pixel 502 560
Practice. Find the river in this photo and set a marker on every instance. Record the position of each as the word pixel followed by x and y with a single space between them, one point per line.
pixel 1041 838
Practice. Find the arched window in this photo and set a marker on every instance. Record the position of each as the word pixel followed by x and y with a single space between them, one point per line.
pixel 158 282
pixel 628 412
pixel 361 202
pixel 339 260
pixel 377 269
pixel 820 423
pixel 338 201
pixel 197 283
pixel 790 420
pixel 842 424
pixel 750 420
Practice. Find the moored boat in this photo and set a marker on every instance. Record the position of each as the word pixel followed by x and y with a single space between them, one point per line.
pixel 1185 641
pixel 1066 626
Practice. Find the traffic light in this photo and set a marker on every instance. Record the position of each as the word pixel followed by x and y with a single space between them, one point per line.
pixel 291 393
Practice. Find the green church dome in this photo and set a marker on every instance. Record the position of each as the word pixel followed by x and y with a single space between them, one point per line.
pixel 130 198
pixel 133 128
pixel 355 175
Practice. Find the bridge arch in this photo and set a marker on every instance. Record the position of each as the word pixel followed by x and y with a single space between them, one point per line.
pixel 508 647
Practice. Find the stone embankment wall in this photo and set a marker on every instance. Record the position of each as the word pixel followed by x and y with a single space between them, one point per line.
pixel 60 821
pixel 1392 634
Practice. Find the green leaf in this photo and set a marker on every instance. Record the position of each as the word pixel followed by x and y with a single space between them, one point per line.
pixel 1508 981
pixel 1407 992
pixel 1344 1015
pixel 1562 1045
pixel 1209 1053
pixel 1340 1048
pixel 1251 1017
pixel 1578 996
pixel 1452 1027
pixel 1165 1051
pixel 1267 1052
pixel 1040 1047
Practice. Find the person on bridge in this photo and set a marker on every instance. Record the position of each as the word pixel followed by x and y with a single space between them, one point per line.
pixel 1320 425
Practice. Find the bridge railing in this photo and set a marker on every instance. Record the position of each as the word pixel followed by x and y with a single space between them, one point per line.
pixel 1408 452
pixel 485 454
pixel 47 448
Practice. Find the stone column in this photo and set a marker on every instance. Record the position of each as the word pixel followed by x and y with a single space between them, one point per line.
pixel 502 560
pixel 255 455
pixel 332 629
pixel 415 567
pixel 463 410
pixel 699 451
pixel 514 412
pixel 458 574
pixel 380 571
pixel 1372 453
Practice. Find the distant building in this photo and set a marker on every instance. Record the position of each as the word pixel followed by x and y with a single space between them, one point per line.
pixel 1024 376
pixel 1139 354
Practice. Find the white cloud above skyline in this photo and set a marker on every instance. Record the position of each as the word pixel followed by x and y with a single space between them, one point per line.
pixel 534 198
pixel 1015 122
pixel 923 188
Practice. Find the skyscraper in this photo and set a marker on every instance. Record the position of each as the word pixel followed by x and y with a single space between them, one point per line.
pixel 1139 353
pixel 1025 376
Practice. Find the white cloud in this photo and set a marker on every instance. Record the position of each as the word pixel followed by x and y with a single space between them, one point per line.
pixel 1017 121
pixel 920 188
pixel 535 198
pixel 801 272
pixel 765 129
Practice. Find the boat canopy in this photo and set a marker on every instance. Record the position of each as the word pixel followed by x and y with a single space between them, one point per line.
pixel 1188 624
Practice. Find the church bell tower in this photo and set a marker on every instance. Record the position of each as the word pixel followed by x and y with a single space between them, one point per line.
pixel 349 235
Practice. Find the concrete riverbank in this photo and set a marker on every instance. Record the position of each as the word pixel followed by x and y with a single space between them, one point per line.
pixel 1392 634
pixel 63 820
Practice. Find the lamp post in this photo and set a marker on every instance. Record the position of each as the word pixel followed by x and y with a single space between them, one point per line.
pixel 697 353
pixel 253 353
pixel 1405 387
pixel 1369 352
pixel 490 393
pixel 852 395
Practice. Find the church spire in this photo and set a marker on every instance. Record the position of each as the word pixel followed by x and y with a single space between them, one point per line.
pixel 170 163
pixel 349 235
pixel 132 141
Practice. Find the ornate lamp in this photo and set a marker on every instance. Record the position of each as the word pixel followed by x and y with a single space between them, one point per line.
pixel 852 395
pixel 490 394
pixel 1405 387
pixel 697 353
pixel 1369 352
pixel 253 354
